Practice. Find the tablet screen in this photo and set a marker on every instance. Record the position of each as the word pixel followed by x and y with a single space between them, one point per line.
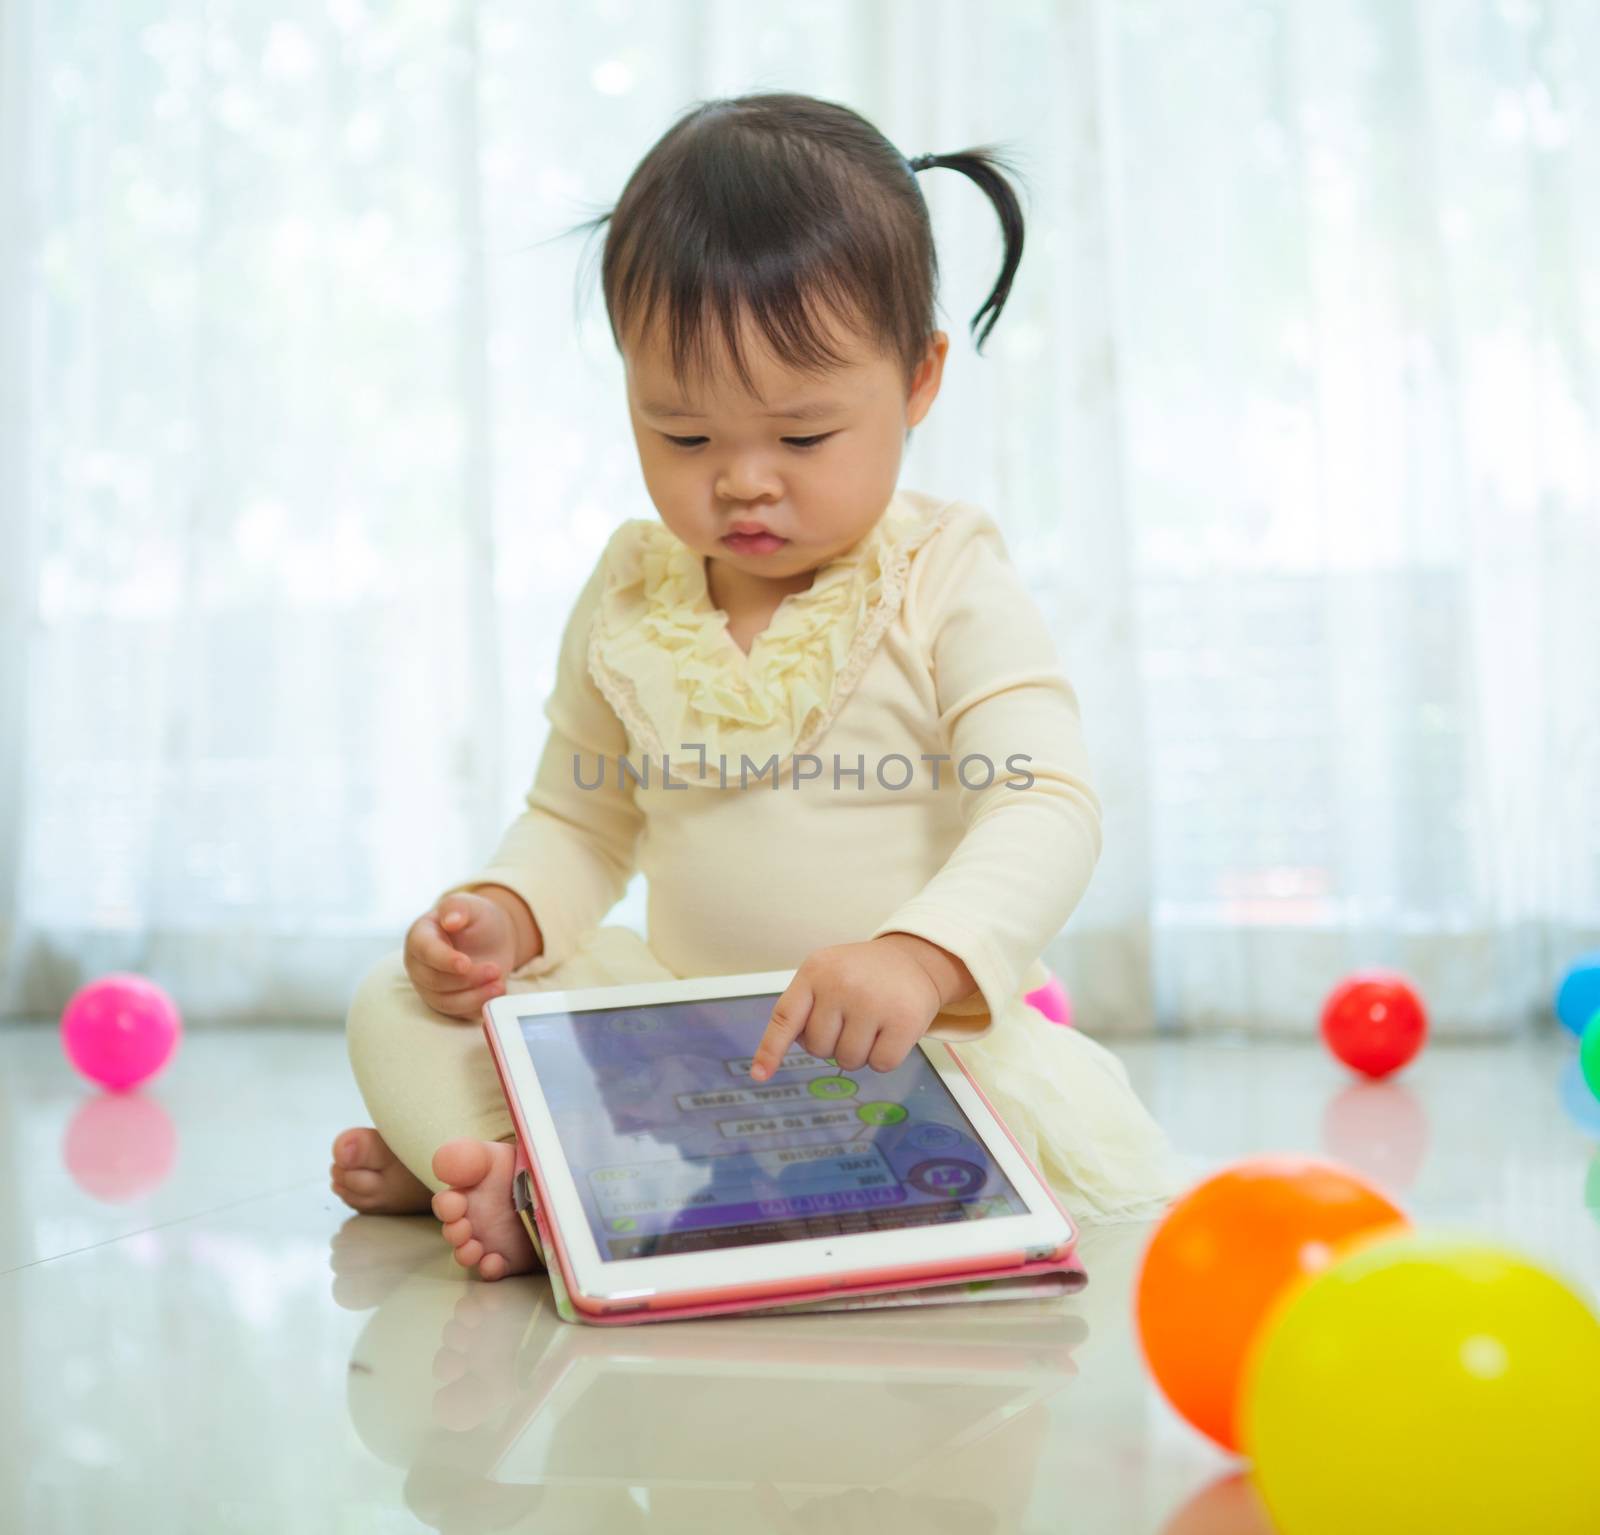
pixel 675 1148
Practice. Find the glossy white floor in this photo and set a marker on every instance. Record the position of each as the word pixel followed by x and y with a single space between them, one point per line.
pixel 196 1335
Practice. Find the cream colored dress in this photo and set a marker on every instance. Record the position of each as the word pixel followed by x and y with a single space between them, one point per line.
pixel 922 642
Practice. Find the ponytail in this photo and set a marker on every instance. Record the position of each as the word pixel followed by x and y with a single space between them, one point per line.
pixel 983 165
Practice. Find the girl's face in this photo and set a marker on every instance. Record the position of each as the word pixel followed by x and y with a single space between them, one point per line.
pixel 813 460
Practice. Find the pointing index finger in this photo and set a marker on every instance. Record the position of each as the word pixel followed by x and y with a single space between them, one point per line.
pixel 789 1015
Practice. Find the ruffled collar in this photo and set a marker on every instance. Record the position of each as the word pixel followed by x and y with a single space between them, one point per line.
pixel 661 653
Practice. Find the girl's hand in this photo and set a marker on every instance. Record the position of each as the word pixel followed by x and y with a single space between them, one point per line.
pixel 863 1004
pixel 459 954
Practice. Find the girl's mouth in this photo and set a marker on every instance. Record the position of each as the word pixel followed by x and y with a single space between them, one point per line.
pixel 753 543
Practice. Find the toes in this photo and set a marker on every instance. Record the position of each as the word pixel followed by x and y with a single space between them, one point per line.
pixel 362 1180
pixel 470 1166
pixel 356 1148
pixel 493 1266
pixel 463 1163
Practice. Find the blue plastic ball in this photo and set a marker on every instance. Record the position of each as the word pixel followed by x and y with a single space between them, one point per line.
pixel 1578 996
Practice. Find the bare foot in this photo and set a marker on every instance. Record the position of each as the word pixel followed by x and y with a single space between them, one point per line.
pixel 476 1213
pixel 370 1178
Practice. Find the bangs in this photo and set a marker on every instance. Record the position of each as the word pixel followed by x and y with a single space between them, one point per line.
pixel 707 323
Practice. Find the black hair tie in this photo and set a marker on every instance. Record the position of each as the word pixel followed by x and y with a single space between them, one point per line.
pixel 922 162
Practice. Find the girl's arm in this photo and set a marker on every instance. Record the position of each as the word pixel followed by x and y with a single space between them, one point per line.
pixel 1025 859
pixel 570 854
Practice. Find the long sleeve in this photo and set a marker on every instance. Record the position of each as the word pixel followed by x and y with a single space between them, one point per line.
pixel 1026 853
pixel 570 854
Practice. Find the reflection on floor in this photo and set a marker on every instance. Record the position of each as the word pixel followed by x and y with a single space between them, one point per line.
pixel 196 1334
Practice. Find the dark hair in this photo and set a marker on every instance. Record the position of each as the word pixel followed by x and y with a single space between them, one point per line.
pixel 784 205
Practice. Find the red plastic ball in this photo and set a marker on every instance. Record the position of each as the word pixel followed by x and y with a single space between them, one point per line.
pixel 1374 1023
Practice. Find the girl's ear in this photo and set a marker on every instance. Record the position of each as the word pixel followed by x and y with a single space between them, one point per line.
pixel 925 381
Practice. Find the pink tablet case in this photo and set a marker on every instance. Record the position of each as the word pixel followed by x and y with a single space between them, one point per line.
pixel 1054 1273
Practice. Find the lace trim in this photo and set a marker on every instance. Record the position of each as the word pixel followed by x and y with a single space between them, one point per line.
pixel 621 694
pixel 885 593
pixel 891 594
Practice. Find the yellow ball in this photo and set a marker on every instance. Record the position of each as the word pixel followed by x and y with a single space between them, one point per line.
pixel 1427 1385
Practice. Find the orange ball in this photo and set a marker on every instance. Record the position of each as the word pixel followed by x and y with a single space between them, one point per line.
pixel 1223 1255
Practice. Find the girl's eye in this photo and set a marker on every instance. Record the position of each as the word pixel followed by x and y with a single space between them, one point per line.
pixel 794 442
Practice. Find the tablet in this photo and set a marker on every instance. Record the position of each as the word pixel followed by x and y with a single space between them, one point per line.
pixel 671 1174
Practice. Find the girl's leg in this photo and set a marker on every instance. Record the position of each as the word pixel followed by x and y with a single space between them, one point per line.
pixel 425 1077
pixel 428 1080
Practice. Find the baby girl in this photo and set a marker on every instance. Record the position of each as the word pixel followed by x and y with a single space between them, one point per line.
pixel 822 714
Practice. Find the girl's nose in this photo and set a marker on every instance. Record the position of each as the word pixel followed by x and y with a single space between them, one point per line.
pixel 747 479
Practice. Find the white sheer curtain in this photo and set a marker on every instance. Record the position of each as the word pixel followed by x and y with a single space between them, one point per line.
pixel 305 448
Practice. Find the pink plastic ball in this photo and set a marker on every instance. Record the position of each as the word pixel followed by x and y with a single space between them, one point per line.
pixel 120 1030
pixel 1052 1000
